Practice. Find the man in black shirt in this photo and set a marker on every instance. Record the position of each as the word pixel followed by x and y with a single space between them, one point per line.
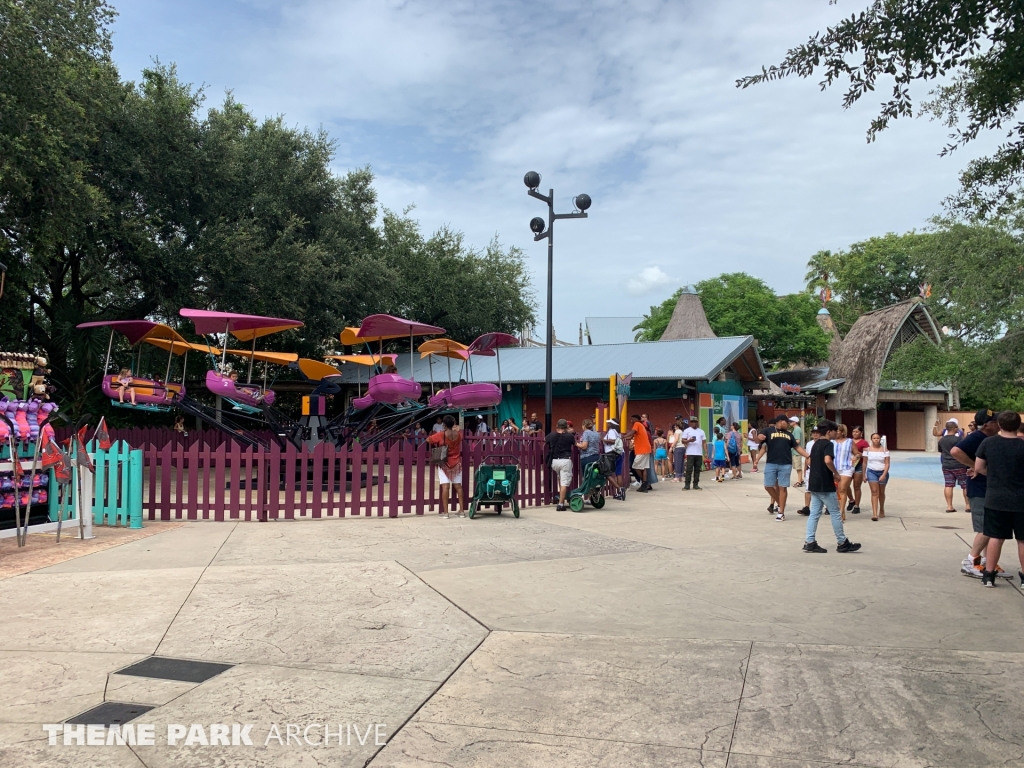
pixel 779 445
pixel 559 449
pixel 1001 460
pixel 822 486
pixel 966 451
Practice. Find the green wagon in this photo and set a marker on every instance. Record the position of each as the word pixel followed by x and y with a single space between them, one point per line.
pixel 496 484
pixel 591 487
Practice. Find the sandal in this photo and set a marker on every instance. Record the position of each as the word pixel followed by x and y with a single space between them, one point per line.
pixel 874 519
pixel 950 511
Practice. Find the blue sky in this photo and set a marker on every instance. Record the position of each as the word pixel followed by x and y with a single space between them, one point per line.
pixel 451 102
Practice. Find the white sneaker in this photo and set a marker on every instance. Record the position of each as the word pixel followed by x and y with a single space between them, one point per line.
pixel 968 568
pixel 634 484
pixel 781 516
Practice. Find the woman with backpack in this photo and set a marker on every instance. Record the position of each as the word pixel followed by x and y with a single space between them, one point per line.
pixel 446 455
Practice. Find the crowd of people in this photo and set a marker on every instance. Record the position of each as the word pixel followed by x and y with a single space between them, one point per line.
pixel 985 460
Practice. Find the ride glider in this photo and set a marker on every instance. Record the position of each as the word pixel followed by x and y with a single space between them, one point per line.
pixel 151 394
pixel 247 395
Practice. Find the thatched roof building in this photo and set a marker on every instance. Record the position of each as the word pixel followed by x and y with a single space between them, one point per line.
pixel 688 319
pixel 863 354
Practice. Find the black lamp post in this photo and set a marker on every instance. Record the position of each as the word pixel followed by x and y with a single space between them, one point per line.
pixel 537 225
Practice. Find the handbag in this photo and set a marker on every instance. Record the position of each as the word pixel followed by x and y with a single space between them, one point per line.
pixel 439 454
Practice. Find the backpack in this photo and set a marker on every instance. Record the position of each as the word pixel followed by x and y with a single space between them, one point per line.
pixel 733 445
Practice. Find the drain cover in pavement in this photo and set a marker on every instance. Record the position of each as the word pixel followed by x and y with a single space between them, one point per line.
pixel 110 713
pixel 183 670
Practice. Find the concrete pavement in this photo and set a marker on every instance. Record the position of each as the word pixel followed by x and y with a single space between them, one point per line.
pixel 672 629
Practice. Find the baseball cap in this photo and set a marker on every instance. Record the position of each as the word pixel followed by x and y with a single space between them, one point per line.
pixel 613 421
pixel 984 416
pixel 694 418
pixel 795 419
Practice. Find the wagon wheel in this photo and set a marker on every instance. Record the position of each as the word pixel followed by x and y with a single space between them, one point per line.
pixel 499 507
pixel 576 503
pixel 472 510
pixel 515 508
pixel 597 500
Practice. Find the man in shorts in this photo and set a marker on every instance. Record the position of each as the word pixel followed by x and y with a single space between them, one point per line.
pixel 558 445
pixel 778 444
pixel 642 452
pixel 1001 460
pixel 953 472
pixel 798 435
pixel 966 451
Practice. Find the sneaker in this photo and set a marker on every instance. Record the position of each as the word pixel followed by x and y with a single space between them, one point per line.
pixel 847 546
pixel 988 578
pixel 1021 575
pixel 772 508
pixel 968 568
pixel 849 506
pixel 560 508
pixel 805 511
pixel 813 546
pixel 686 487
pixel 856 510
pixel 642 489
pixel 697 488
pixel 781 517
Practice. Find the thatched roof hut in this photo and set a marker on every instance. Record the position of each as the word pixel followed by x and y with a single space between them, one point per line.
pixel 688 319
pixel 863 354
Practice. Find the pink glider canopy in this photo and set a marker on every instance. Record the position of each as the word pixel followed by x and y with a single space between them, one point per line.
pixel 387 325
pixel 138 330
pixel 242 327
pixel 486 343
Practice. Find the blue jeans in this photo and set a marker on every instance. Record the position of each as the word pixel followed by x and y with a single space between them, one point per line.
pixel 830 502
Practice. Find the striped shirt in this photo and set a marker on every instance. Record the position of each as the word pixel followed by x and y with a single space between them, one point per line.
pixel 844 454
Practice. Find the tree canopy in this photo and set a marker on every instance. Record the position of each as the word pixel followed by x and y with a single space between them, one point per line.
pixel 125 199
pixel 737 304
pixel 869 275
pixel 972 50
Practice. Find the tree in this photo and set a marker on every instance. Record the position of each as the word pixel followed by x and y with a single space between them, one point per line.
pixel 737 304
pixel 869 275
pixel 654 324
pixel 786 329
pixel 976 272
pixel 974 46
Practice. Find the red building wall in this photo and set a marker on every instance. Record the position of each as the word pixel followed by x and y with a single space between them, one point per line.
pixel 661 413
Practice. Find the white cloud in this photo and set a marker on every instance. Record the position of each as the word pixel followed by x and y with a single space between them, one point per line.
pixel 648 279
pixel 452 101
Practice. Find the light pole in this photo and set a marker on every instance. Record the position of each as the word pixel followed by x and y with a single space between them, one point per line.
pixel 537 225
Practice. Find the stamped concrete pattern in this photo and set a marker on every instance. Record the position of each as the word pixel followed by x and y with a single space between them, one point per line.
pixel 672 629
pixel 369 618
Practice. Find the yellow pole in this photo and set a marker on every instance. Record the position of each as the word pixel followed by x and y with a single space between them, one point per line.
pixel 612 399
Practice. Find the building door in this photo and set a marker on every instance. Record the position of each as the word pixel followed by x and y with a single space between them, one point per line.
pixel 887 427
pixel 910 430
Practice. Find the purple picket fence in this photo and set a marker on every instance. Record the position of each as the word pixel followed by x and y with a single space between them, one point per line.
pixel 200 481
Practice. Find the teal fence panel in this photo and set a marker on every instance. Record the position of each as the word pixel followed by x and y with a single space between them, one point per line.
pixel 117 494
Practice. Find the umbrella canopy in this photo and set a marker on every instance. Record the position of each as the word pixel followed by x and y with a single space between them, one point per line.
pixel 277 358
pixel 486 343
pixel 181 347
pixel 389 326
pixel 242 327
pixel 444 348
pixel 139 330
pixel 315 370
pixel 367 360
pixel 350 337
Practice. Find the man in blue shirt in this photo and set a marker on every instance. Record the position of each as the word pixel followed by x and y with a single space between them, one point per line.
pixel 966 452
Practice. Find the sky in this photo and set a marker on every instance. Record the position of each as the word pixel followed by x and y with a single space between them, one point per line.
pixel 451 102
